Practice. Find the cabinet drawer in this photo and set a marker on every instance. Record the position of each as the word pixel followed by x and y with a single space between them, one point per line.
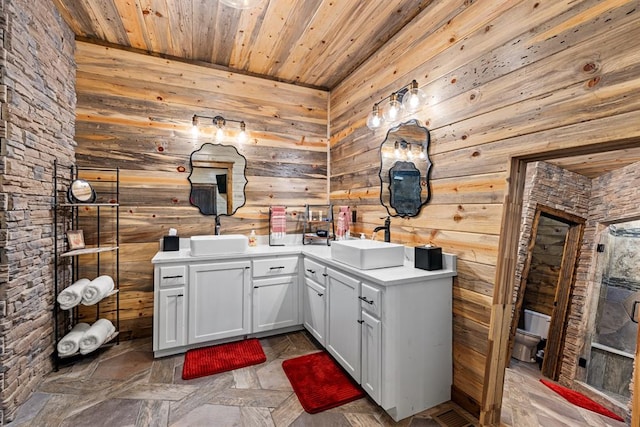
pixel 173 275
pixel 275 266
pixel 371 299
pixel 314 270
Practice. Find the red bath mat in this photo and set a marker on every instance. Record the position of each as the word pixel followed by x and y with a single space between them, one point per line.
pixel 319 382
pixel 201 362
pixel 580 400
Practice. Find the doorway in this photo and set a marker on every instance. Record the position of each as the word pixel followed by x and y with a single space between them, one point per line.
pixel 502 307
pixel 547 279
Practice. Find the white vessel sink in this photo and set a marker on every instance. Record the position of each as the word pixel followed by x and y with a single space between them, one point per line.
pixel 367 254
pixel 222 244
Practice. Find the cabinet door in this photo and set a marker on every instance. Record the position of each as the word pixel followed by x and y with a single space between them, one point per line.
pixel 275 303
pixel 171 318
pixel 314 309
pixel 219 300
pixel 371 356
pixel 343 314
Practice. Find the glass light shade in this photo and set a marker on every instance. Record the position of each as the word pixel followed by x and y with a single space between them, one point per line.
pixel 242 136
pixel 194 126
pixel 219 133
pixel 374 120
pixel 414 98
pixel 241 4
pixel 394 109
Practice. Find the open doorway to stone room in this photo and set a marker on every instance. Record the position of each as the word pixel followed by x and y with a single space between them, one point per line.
pixel 601 206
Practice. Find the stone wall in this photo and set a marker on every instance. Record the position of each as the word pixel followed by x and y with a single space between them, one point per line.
pixel 37 123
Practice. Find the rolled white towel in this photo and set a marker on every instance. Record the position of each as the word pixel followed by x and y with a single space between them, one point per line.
pixel 96 335
pixel 97 289
pixel 70 343
pixel 72 295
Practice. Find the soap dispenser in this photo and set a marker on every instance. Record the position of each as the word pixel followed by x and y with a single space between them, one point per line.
pixel 252 238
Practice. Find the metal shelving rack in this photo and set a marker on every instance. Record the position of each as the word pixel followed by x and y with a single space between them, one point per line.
pixel 318 217
pixel 66 262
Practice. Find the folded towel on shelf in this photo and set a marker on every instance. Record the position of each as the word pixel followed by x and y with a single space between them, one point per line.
pixel 72 295
pixel 97 289
pixel 96 335
pixel 70 343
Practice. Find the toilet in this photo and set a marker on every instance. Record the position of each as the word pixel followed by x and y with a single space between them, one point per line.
pixel 536 328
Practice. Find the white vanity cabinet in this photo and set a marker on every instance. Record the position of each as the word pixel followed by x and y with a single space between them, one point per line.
pixel 219 300
pixel 389 328
pixel 170 282
pixel 343 321
pixel 371 337
pixel 314 299
pixel 275 293
pixel 393 339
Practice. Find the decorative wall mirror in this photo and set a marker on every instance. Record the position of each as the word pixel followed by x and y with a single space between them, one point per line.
pixel 80 191
pixel 404 169
pixel 217 179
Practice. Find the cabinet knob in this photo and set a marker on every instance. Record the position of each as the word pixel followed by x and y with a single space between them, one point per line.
pixel 276 268
pixel 180 295
pixel 311 271
pixel 360 321
pixel 319 294
pixel 325 274
pixel 366 300
pixel 172 277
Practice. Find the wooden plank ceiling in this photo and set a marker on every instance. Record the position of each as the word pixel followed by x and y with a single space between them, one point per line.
pixel 315 43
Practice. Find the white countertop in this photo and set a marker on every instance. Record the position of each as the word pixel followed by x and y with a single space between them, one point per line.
pixel 383 276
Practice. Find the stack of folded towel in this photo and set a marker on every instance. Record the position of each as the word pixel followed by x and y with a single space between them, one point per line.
pixel 85 338
pixel 97 289
pixel 85 291
pixel 70 343
pixel 96 335
pixel 72 295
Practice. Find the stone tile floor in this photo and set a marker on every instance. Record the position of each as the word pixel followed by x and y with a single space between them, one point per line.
pixel 124 385
pixel 529 403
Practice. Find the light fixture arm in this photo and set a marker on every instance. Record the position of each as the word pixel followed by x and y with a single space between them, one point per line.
pixel 219 122
pixel 409 97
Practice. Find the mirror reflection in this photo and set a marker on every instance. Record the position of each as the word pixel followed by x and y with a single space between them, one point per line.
pixel 217 179
pixel 404 169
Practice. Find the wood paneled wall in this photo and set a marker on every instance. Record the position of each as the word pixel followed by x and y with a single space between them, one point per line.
pixel 134 112
pixel 505 79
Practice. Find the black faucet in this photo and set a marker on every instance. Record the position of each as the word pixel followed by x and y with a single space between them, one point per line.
pixel 217 232
pixel 387 229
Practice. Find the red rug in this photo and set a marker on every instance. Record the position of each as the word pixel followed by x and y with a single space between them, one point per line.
pixel 580 400
pixel 320 383
pixel 201 362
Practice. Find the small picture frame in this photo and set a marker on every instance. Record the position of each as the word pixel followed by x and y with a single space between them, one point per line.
pixel 75 239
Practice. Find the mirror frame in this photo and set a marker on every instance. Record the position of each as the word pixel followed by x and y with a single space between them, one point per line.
pixel 74 192
pixel 244 174
pixel 385 172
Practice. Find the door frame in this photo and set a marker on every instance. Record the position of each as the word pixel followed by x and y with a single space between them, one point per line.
pixel 502 305
pixel 564 286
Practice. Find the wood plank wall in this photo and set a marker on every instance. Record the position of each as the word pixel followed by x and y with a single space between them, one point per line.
pixel 134 112
pixel 517 78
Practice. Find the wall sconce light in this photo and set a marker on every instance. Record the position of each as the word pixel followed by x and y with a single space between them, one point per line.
pixel 408 99
pixel 219 122
pixel 403 150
